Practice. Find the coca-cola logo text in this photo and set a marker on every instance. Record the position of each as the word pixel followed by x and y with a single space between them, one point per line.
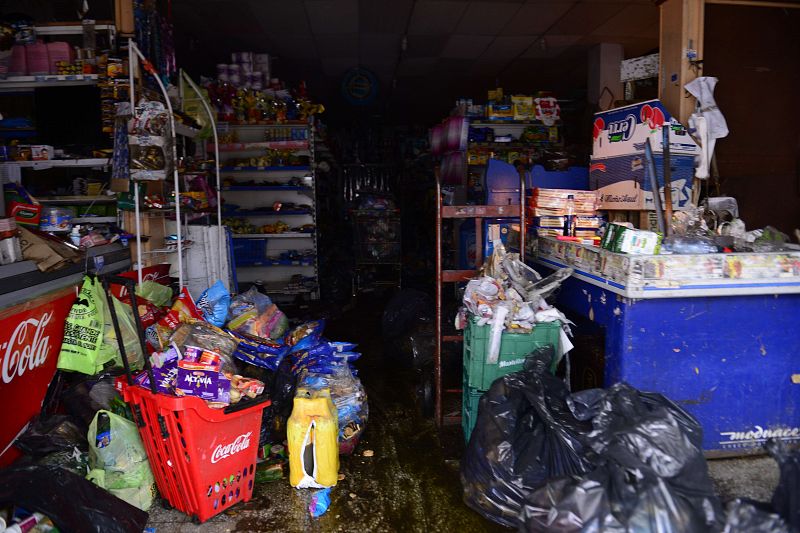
pixel 221 452
pixel 21 353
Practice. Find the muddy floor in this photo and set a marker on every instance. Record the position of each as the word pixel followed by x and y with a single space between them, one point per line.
pixel 410 482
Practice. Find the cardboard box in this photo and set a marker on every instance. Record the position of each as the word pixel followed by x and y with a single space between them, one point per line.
pixel 618 156
pixel 41 152
pixel 497 111
pixel 201 383
pixel 623 184
pixel 523 108
pixel 25 214
pixel 624 130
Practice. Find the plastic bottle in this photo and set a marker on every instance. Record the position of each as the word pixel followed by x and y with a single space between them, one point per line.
pixel 103 438
pixel 313 438
pixel 24 525
pixel 75 236
pixel 259 285
pixel 569 220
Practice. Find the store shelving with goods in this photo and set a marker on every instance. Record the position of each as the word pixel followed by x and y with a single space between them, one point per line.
pixel 25 83
pixel 280 197
pixel 53 163
pixel 165 235
pixel 104 35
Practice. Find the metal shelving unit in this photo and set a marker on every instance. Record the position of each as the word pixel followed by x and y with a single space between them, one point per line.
pixel 478 213
pixel 24 83
pixel 253 199
pixel 51 163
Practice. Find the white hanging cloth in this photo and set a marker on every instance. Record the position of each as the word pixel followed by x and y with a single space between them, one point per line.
pixel 708 121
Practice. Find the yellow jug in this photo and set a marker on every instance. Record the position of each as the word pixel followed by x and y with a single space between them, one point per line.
pixel 313 436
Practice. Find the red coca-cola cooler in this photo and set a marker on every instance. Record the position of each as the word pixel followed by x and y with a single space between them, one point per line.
pixel 30 339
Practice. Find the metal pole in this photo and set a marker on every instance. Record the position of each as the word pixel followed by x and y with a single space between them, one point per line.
pixel 437 356
pixel 132 65
pixel 653 176
pixel 522 228
pixel 667 181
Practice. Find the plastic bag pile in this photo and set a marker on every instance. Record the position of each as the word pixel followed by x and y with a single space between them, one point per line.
pixel 615 460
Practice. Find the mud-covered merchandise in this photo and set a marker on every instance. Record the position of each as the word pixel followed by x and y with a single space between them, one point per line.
pixel 243 370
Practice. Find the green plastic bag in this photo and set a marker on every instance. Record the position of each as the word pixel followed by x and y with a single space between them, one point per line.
pixel 155 293
pixel 118 462
pixel 84 330
pixel 130 338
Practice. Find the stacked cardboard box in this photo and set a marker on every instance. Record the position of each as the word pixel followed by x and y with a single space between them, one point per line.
pixel 547 211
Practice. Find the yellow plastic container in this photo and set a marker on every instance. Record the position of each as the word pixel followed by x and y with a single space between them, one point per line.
pixel 313 436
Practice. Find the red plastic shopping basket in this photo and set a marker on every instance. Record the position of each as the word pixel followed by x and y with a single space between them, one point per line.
pixel 203 459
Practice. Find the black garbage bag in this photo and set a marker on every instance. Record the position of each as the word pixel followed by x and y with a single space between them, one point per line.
pixel 74 504
pixel 659 434
pixel 404 309
pixel 651 475
pixel 273 420
pixel 51 433
pixel 786 498
pixel 75 460
pixel 611 499
pixel 743 516
pixel 524 435
pixel 588 404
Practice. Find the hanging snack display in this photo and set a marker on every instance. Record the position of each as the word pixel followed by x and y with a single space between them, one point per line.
pixel 149 142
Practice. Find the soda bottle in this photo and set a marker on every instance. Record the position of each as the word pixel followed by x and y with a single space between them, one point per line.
pixel 103 437
pixel 569 220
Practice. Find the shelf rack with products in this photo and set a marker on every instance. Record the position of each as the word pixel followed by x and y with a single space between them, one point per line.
pixel 268 246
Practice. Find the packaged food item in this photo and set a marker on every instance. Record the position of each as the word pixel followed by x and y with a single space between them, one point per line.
pixel 213 304
pixel 260 352
pixel 523 108
pixel 201 383
pixel 202 335
pixel 56 219
pixel 195 358
pixel 183 311
pixel 185 307
pixel 165 378
pixel 305 335
pixel 249 387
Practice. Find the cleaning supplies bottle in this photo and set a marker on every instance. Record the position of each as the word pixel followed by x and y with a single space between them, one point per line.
pixel 75 236
pixel 313 437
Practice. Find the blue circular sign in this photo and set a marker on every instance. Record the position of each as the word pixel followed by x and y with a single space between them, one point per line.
pixel 359 86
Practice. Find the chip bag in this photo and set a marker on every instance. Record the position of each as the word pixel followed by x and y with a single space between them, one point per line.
pixel 213 304
pixel 183 311
pixel 305 335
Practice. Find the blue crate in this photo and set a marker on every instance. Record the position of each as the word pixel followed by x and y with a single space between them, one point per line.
pixel 250 252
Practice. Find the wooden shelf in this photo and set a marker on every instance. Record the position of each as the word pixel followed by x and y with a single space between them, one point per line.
pixel 480 211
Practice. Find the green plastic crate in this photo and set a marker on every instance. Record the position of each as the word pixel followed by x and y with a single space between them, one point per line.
pixel 513 349
pixel 470 398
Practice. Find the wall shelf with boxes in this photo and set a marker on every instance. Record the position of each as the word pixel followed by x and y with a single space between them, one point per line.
pixel 269 186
